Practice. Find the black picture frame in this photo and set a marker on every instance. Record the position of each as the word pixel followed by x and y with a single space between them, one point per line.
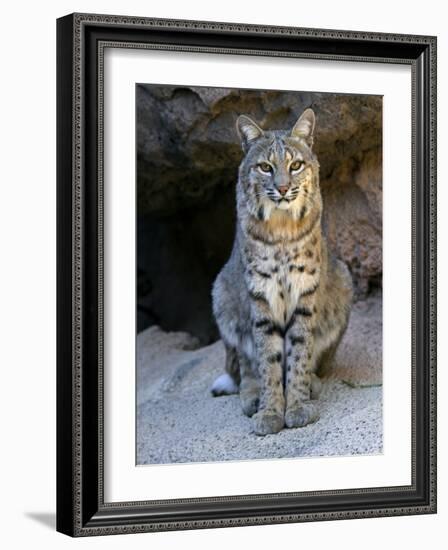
pixel 81 510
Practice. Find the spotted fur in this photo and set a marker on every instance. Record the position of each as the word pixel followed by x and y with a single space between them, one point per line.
pixel 281 302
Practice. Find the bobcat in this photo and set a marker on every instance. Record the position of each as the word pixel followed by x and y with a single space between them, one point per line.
pixel 281 302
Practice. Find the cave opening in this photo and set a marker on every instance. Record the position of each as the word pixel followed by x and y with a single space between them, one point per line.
pixel 178 258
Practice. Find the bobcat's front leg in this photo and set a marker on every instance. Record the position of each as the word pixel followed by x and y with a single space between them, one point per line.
pixel 300 411
pixel 249 387
pixel 268 343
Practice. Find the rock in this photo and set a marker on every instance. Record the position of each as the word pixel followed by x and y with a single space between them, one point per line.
pixel 179 421
pixel 359 358
pixel 158 356
pixel 188 155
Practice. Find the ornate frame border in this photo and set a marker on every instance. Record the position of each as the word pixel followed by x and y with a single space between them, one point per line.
pixel 82 39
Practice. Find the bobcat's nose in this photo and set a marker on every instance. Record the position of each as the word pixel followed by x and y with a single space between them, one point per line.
pixel 282 189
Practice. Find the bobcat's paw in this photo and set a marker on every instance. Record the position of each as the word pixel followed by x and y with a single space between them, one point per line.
pixel 300 416
pixel 250 402
pixel 267 422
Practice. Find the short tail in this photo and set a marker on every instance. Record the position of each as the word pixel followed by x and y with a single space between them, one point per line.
pixel 224 385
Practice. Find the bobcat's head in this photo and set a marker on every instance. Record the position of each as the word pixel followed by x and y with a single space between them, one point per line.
pixel 279 169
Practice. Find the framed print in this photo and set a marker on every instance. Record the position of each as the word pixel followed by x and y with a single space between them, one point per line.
pixel 246 274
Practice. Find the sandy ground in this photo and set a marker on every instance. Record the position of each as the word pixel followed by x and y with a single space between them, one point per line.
pixel 179 421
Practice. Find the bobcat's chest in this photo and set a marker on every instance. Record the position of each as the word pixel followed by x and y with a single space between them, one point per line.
pixel 281 277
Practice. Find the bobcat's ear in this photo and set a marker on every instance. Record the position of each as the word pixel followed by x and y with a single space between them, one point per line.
pixel 248 131
pixel 304 127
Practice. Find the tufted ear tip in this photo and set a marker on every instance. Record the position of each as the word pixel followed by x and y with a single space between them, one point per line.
pixel 248 131
pixel 304 127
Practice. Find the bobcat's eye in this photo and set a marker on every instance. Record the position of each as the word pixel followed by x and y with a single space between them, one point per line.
pixel 296 165
pixel 265 167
